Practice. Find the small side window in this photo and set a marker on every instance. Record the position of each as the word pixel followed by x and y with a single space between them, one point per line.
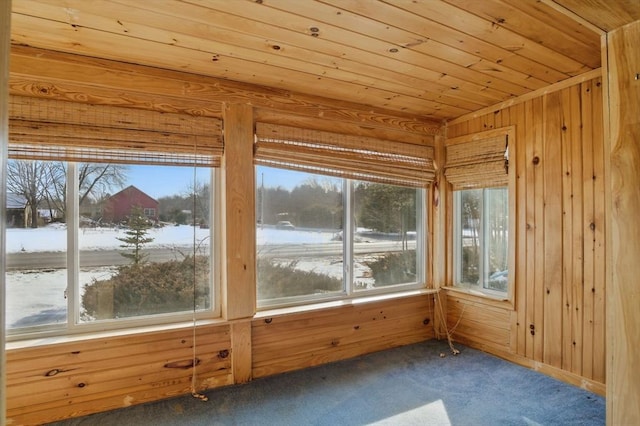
pixel 481 240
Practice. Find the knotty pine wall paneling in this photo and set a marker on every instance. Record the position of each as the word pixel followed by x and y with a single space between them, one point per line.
pixel 286 342
pixel 558 316
pixel 46 383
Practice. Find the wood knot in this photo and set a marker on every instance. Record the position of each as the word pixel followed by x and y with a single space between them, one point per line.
pixel 268 320
pixel 185 364
pixel 223 353
pixel 52 373
pixel 426 321
pixel 536 160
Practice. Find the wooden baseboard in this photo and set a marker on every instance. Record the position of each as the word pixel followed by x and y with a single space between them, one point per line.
pixel 557 373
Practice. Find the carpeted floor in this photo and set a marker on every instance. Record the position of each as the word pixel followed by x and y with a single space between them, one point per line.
pixel 411 385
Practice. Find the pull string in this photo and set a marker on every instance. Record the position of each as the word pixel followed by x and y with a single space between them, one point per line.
pixel 194 360
pixel 448 332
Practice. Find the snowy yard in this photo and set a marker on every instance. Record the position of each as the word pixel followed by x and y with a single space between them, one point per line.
pixel 38 292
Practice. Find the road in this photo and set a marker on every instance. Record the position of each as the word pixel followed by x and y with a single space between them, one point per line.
pixel 95 258
pixel 90 258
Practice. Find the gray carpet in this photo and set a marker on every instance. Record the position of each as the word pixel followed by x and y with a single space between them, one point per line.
pixel 411 385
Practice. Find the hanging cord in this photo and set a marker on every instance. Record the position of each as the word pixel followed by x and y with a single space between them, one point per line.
pixel 194 360
pixel 448 332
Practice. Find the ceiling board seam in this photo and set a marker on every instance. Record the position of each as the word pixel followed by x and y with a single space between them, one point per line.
pixel 574 16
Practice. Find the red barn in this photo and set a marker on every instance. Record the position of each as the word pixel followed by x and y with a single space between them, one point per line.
pixel 118 207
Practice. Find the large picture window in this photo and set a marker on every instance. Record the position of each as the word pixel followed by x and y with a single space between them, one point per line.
pixel 110 217
pixel 322 237
pixel 337 215
pixel 89 252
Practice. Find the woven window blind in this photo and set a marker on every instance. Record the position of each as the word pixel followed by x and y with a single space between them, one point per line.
pixel 46 129
pixel 478 163
pixel 344 156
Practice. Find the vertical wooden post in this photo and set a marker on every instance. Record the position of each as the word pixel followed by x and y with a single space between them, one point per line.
pixel 623 288
pixel 239 222
pixel 5 48
pixel 241 351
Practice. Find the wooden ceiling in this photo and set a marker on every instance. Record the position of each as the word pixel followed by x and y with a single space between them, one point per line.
pixel 437 59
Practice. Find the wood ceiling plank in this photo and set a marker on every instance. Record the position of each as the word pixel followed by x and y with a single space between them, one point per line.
pixel 78 77
pixel 62 36
pixel 605 14
pixel 391 26
pixel 382 38
pixel 477 27
pixel 453 40
pixel 165 28
pixel 416 70
pixel 584 49
pixel 411 47
pixel 555 15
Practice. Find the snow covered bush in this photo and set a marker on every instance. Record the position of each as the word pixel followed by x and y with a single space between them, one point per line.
pixel 149 288
pixel 277 280
pixel 394 268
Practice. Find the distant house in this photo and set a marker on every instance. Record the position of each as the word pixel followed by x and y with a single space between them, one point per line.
pixel 18 211
pixel 117 208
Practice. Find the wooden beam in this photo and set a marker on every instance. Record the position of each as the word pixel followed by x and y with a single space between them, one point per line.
pixel 46 73
pixel 241 351
pixel 5 45
pixel 623 294
pixel 239 288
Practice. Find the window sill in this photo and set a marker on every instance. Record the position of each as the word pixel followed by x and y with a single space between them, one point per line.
pixel 292 310
pixel 71 338
pixel 488 299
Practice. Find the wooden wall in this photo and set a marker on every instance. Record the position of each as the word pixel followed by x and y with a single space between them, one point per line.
pixel 289 342
pixel 623 319
pixel 52 379
pixel 52 382
pixel 556 321
pixel 49 382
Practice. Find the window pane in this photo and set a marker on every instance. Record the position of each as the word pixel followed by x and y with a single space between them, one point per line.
pixel 144 240
pixel 470 208
pixel 496 234
pixel 482 217
pixel 385 235
pixel 299 238
pixel 36 277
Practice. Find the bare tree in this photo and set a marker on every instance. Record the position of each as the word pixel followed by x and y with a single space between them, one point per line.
pixel 94 181
pixel 30 179
pixel 45 182
pixel 97 179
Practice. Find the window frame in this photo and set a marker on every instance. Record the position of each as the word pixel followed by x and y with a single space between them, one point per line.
pixel 73 325
pixel 349 290
pixel 509 133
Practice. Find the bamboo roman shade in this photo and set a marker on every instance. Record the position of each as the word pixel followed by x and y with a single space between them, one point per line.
pixel 479 163
pixel 354 157
pixel 48 129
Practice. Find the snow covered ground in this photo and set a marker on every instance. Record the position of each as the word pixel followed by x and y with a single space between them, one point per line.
pixel 36 293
